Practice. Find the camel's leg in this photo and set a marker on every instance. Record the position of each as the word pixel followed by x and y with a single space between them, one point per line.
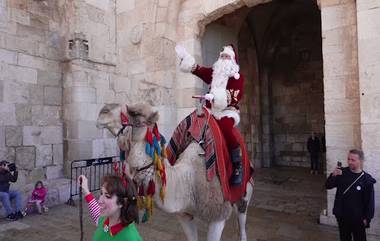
pixel 215 230
pixel 242 217
pixel 189 227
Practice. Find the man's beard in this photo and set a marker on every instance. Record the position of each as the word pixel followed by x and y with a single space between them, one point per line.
pixel 227 67
pixel 222 71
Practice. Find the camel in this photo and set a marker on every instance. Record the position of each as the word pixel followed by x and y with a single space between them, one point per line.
pixel 188 193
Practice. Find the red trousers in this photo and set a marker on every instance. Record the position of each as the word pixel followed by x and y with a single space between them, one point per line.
pixel 226 125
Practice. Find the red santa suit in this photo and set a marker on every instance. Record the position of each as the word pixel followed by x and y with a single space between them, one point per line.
pixel 226 90
pixel 229 116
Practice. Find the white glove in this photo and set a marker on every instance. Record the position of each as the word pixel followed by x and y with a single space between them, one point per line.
pixel 209 97
pixel 187 62
pixel 181 51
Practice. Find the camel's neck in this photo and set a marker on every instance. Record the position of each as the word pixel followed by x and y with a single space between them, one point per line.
pixel 179 181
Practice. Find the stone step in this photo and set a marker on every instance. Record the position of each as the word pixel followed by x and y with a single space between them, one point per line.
pixel 58 192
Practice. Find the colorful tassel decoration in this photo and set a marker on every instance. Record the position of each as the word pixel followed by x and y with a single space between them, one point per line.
pixel 141 190
pixel 151 188
pixel 156 133
pixel 145 217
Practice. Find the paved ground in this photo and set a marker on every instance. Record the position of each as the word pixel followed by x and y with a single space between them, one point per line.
pixel 285 208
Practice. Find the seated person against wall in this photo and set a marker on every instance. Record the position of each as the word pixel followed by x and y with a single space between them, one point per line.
pixel 8 173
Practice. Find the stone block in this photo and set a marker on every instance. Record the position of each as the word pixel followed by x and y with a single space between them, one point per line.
pixel 20 16
pixel 99 80
pixel 36 94
pixel 120 83
pixel 2 137
pixel 24 114
pixel 367 5
pixel 44 155
pixel 21 44
pixel 13 136
pixel 16 92
pixel 368 23
pixel 83 95
pixel 48 78
pixel 25 157
pixel 46 115
pixel 8 154
pixel 38 63
pixel 58 154
pixel 52 135
pixel 78 149
pixel 22 74
pixel 83 130
pixel 136 67
pixel 53 96
pixel 37 174
pixel 53 172
pixel 125 6
pixel 104 148
pixel 1 89
pixel 337 16
pixel 32 135
pixel 101 4
pixel 82 111
pixel 8 57
pixel 8 114
pixel 104 96
pixel 369 53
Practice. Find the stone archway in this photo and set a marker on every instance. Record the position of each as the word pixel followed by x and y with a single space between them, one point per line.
pixel 283 67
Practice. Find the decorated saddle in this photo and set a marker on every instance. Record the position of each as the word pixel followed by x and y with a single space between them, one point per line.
pixel 205 130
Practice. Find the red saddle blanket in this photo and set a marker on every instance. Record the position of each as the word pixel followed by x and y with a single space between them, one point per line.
pixel 217 157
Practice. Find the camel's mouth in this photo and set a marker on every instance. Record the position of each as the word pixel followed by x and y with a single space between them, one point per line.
pixel 100 125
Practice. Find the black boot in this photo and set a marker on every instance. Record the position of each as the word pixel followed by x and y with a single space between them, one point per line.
pixel 237 169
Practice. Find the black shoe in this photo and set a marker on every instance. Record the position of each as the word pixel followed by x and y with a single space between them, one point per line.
pixel 19 215
pixel 11 217
pixel 237 176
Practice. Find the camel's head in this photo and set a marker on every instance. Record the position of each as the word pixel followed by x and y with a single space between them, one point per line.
pixel 141 117
pixel 109 117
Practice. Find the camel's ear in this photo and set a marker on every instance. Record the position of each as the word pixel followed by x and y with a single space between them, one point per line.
pixel 153 118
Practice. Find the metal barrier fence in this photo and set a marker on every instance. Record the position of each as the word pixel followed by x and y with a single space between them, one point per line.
pixel 94 170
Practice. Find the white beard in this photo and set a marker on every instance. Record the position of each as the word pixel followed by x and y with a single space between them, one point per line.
pixel 222 71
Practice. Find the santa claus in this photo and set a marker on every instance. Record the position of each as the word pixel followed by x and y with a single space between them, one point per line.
pixel 226 90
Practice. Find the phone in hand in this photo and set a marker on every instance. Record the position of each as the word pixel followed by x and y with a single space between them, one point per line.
pixel 339 164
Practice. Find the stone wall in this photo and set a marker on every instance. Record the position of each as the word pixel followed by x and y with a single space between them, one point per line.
pixel 368 22
pixel 31 40
pixel 297 93
pixel 342 100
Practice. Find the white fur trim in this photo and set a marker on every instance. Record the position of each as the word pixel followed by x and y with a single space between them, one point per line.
pixel 220 98
pixel 227 113
pixel 187 63
pixel 236 75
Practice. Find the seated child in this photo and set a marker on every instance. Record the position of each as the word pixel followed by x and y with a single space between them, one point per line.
pixel 38 198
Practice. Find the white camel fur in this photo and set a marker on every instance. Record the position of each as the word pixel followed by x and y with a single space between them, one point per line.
pixel 188 193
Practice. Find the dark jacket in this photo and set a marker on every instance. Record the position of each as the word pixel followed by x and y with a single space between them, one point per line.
pixel 5 178
pixel 314 146
pixel 358 203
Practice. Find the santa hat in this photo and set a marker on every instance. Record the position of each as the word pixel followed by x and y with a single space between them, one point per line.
pixel 230 50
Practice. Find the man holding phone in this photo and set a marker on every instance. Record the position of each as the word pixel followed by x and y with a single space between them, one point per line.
pixel 8 173
pixel 354 199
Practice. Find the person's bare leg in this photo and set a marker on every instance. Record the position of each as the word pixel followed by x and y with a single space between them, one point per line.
pixel 38 205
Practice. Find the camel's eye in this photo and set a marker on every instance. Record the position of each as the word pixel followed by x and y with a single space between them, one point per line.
pixel 105 111
pixel 132 113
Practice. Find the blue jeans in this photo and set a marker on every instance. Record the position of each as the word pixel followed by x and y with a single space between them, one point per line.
pixel 6 197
